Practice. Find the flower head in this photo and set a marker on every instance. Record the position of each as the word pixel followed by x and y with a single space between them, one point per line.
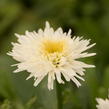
pixel 52 53
pixel 102 104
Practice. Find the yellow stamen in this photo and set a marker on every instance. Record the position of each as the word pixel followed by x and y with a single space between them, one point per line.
pixel 51 46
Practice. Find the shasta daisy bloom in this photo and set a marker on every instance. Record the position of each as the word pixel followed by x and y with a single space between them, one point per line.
pixel 102 104
pixel 51 53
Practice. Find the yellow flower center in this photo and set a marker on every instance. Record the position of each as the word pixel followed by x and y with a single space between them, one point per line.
pixel 51 46
pixel 53 50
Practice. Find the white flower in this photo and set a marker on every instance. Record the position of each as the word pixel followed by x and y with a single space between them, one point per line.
pixel 102 104
pixel 52 53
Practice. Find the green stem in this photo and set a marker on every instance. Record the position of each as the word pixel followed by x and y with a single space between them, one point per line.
pixel 59 95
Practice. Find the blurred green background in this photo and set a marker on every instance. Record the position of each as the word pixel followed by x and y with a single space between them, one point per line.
pixel 88 18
